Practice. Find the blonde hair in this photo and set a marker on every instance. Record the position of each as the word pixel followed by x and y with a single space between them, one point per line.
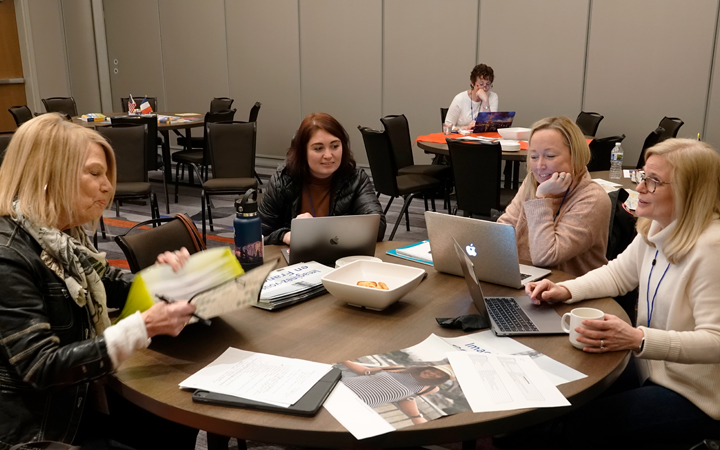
pixel 695 187
pixel 42 169
pixel 572 138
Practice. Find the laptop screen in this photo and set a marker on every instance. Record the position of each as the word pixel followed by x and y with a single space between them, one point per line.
pixel 487 122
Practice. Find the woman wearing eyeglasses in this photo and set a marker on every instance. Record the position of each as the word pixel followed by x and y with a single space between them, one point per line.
pixel 674 260
pixel 479 98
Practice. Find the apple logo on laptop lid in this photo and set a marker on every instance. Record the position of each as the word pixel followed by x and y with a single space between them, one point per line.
pixel 470 249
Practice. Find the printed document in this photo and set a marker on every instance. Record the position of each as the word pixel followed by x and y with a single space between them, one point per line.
pixel 503 382
pixel 258 376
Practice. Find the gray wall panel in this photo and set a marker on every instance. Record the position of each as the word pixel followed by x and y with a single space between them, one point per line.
pixel 712 125
pixel 136 56
pixel 537 50
pixel 268 73
pixel 341 63
pixel 48 41
pixel 426 61
pixel 82 59
pixel 194 53
pixel 648 59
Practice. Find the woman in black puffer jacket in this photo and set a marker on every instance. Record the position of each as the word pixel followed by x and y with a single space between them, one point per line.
pixel 319 179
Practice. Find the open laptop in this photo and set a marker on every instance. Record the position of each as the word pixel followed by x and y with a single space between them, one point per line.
pixel 486 122
pixel 491 246
pixel 327 239
pixel 508 316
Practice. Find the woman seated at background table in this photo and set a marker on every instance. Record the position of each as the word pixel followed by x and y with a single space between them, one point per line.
pixel 677 342
pixel 479 98
pixel 56 288
pixel 561 217
pixel 319 178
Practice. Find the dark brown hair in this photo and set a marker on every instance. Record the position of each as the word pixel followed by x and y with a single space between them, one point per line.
pixel 296 158
pixel 483 72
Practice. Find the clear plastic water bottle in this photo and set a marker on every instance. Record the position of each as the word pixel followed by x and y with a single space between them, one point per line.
pixel 616 160
pixel 248 231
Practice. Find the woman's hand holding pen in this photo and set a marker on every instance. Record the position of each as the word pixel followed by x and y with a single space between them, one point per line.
pixel 167 318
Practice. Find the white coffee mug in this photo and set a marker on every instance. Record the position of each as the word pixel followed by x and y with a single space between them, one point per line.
pixel 576 316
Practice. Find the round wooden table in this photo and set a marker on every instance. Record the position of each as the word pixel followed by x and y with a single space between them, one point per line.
pixel 327 330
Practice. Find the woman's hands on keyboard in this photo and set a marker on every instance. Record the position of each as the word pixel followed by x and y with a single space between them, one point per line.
pixel 546 291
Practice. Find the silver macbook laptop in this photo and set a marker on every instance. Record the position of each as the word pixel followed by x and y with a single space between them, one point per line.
pixel 491 246
pixel 508 316
pixel 327 239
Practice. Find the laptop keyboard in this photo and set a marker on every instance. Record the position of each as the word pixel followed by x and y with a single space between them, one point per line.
pixel 508 315
pixel 524 275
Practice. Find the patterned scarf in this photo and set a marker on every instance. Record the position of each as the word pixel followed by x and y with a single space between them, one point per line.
pixel 75 260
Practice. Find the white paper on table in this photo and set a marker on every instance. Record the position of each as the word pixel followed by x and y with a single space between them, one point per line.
pixel 493 382
pixel 609 186
pixel 487 342
pixel 257 376
pixel 354 414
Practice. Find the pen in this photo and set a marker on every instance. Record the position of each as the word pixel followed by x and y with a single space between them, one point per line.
pixel 205 322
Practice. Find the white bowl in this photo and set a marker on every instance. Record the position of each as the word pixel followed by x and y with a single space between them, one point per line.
pixel 348 259
pixel 342 283
pixel 515 133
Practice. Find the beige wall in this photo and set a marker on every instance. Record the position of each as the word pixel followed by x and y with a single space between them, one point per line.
pixel 634 62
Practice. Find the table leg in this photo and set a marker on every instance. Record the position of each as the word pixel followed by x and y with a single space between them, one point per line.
pixel 516 175
pixel 508 174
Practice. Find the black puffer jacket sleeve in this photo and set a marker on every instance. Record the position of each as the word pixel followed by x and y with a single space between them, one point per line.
pixel 365 201
pixel 276 207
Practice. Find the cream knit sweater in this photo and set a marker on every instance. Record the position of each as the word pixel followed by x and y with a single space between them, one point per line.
pixel 576 242
pixel 682 342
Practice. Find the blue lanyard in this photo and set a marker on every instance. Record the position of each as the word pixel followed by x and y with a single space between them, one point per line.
pixel 651 306
pixel 471 108
pixel 561 203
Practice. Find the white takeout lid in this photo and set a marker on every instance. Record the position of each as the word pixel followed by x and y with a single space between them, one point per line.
pixel 348 259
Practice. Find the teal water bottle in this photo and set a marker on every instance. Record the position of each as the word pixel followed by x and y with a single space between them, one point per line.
pixel 248 231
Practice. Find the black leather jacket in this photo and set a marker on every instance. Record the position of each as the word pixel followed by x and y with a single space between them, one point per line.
pixel 46 359
pixel 351 195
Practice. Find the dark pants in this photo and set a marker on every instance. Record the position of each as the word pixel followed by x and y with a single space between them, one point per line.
pixel 130 427
pixel 634 416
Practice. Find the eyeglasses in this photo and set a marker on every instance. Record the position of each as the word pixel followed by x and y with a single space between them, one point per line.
pixel 651 183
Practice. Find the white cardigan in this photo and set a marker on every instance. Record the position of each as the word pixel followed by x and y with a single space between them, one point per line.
pixel 682 342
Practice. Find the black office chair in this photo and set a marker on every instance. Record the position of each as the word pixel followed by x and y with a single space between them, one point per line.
pixel 231 147
pixel 141 249
pixel 600 150
pixel 220 104
pixel 443 114
pixel 398 130
pixel 197 156
pixel 477 169
pixel 21 114
pixel 588 122
pixel 129 141
pixel 387 180
pixel 62 105
pixel 4 142
pixel 652 139
pixel 671 125
pixel 138 101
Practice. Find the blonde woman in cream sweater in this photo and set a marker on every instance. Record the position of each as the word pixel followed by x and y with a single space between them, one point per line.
pixel 561 217
pixel 674 260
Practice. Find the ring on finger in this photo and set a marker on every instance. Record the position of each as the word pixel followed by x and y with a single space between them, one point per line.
pixel 602 344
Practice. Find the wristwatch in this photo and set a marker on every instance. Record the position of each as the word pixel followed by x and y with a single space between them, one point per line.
pixel 419 416
pixel 642 345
